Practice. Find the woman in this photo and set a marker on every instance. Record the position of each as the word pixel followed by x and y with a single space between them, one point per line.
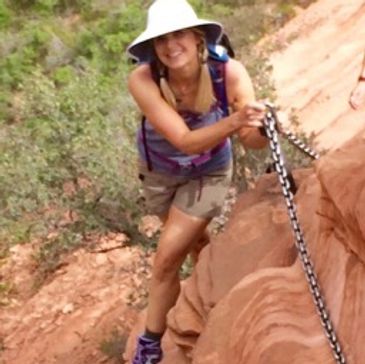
pixel 184 146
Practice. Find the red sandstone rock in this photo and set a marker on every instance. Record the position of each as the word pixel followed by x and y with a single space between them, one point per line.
pixel 267 314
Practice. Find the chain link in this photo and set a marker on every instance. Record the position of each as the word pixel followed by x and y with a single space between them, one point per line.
pixel 270 124
pixel 299 144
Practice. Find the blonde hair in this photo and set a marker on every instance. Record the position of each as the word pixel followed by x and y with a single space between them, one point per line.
pixel 205 97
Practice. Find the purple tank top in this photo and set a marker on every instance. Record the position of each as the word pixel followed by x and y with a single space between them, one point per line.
pixel 167 159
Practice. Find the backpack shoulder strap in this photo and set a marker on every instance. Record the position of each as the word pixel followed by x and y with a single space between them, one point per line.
pixel 156 78
pixel 217 65
pixel 144 142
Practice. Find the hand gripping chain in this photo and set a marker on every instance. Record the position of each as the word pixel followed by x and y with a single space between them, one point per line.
pixel 270 124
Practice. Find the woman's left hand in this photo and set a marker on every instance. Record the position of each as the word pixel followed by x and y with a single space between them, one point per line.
pixel 250 134
pixel 253 114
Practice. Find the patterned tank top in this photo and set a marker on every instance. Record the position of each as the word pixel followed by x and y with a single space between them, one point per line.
pixel 161 156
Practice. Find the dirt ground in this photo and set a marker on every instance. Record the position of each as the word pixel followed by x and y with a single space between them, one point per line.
pixel 84 311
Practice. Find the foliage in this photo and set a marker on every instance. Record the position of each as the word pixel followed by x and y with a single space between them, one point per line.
pixel 114 346
pixel 79 136
pixel 106 40
pixel 51 7
pixel 5 15
pixel 27 50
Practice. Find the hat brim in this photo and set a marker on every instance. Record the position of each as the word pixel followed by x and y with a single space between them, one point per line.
pixel 141 49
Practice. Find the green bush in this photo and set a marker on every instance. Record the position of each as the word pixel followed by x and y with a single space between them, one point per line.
pixel 5 15
pixel 64 75
pixel 46 8
pixel 104 43
pixel 81 134
pixel 24 55
pixel 5 106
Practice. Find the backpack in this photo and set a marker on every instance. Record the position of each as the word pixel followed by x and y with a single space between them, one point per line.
pixel 227 45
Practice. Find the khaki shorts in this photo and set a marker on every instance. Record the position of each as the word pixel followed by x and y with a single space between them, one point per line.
pixel 200 196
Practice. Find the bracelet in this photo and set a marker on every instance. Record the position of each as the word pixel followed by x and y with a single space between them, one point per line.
pixel 361 78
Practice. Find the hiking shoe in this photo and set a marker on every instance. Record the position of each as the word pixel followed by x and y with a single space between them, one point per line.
pixel 148 351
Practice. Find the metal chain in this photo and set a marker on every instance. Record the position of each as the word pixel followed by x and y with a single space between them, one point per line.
pixel 298 143
pixel 270 124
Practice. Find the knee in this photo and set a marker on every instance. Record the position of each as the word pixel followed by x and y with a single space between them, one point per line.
pixel 166 266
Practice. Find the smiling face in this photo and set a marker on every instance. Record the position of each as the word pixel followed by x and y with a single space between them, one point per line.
pixel 177 49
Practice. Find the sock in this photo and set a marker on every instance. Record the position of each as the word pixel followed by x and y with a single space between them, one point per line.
pixel 155 336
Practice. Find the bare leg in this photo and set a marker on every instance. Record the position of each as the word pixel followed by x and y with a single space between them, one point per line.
pixel 199 245
pixel 177 238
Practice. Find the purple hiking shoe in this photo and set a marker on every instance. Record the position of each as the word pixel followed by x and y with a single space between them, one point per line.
pixel 148 351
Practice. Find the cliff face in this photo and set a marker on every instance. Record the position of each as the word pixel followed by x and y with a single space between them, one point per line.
pixel 248 300
pixel 316 67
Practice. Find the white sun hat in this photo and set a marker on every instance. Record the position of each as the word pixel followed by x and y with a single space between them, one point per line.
pixel 166 16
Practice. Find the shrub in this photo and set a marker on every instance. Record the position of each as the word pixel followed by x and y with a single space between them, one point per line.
pixel 80 135
pixel 5 15
pixel 104 43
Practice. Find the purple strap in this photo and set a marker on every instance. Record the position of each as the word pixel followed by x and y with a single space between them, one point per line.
pixel 144 142
pixel 175 165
